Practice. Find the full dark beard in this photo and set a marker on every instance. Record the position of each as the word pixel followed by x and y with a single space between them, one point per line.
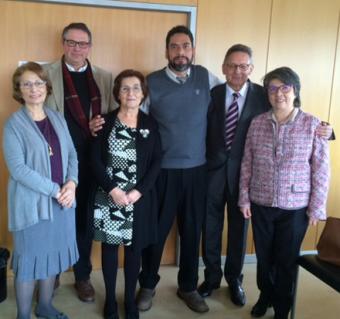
pixel 180 67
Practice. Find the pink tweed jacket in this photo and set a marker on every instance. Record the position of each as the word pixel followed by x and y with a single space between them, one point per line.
pixel 287 167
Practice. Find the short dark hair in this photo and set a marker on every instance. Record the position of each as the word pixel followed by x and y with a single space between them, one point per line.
pixel 239 48
pixel 287 76
pixel 32 67
pixel 129 73
pixel 179 29
pixel 77 26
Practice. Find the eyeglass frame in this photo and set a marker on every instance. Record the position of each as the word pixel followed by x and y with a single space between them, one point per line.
pixel 284 88
pixel 29 85
pixel 128 89
pixel 80 44
pixel 244 67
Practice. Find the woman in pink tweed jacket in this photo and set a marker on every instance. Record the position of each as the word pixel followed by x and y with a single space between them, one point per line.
pixel 283 187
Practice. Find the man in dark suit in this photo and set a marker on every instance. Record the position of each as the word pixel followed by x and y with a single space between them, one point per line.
pixel 239 101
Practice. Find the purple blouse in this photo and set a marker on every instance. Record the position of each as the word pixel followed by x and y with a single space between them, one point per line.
pixel 54 150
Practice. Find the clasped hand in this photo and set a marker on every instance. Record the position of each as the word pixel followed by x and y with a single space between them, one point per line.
pixel 66 195
pixel 123 198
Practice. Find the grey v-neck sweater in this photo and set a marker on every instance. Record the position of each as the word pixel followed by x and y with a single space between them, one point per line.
pixel 181 113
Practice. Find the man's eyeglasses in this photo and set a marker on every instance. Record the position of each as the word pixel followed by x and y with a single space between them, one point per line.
pixel 243 67
pixel 81 44
pixel 29 85
pixel 127 89
pixel 284 88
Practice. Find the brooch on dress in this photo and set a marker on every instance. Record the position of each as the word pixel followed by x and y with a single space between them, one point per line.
pixel 144 133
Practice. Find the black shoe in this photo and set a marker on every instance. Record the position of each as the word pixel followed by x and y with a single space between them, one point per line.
pixel 261 306
pixel 237 295
pixel 110 310
pixel 131 313
pixel 206 289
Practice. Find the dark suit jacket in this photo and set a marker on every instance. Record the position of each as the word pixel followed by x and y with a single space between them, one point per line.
pixel 148 151
pixel 255 103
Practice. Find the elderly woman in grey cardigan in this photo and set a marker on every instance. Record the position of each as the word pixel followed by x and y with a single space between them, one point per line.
pixel 43 169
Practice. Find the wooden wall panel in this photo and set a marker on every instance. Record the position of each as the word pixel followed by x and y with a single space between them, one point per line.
pixel 122 39
pixel 303 36
pixel 220 24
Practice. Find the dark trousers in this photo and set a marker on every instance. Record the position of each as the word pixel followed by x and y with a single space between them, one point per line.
pixel 131 270
pixel 182 193
pixel 218 195
pixel 84 225
pixel 278 235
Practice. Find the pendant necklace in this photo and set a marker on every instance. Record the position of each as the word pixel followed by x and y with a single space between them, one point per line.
pixel 48 138
pixel 50 150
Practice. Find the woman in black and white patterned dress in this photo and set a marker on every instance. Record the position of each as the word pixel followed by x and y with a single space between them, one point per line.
pixel 126 161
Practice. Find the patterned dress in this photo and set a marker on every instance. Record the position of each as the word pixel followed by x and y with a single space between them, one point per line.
pixel 113 223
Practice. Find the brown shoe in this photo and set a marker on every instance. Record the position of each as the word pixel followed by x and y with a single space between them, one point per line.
pixel 193 300
pixel 144 298
pixel 85 290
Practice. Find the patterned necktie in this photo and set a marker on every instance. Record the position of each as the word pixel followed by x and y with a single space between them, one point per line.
pixel 231 121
